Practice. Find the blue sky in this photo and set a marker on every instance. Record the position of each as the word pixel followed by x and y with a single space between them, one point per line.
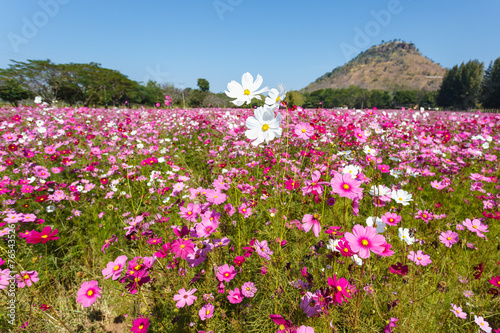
pixel 290 42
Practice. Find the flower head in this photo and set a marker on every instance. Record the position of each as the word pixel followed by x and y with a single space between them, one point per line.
pixel 264 126
pixel 247 90
pixel 362 240
pixel 185 297
pixel 88 293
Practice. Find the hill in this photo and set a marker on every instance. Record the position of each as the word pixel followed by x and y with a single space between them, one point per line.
pixel 390 66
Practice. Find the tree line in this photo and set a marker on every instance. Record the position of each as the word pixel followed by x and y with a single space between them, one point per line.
pixel 464 86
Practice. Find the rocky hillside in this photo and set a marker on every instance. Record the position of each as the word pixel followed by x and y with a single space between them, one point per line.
pixel 390 66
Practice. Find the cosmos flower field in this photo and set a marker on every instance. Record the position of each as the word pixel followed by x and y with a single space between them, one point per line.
pixel 153 220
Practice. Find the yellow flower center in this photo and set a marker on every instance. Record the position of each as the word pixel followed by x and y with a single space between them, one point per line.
pixel 26 277
pixel 141 326
pixel 391 220
pixel 303 130
pixel 339 288
pixel 246 92
pixel 215 197
pixel 449 238
pixel 474 226
pixel 248 288
pixel 183 246
pixel 116 268
pixel 419 258
pixel 265 127
pixel 346 249
pixel 346 186
pixel 425 215
pixel 364 242
pixel 90 293
pixel 282 327
pixel 316 216
pixel 45 236
pixel 278 99
pixel 189 213
pixel 208 311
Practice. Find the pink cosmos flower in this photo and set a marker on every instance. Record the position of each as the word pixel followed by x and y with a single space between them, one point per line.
pixel 284 325
pixel 248 289
pixel 476 226
pixel 114 268
pixel 140 325
pixel 345 186
pixel 206 228
pixel 305 329
pixel 419 258
pixel 182 247
pixel 216 197
pixel 304 131
pixel 88 293
pixel 225 273
pixel 391 218
pixel 392 323
pixel 314 184
pixel 26 279
pixel 383 168
pixel 46 235
pixel 360 135
pixel 362 240
pixel 206 312
pixel 483 324
pixel 235 296
pixel 245 210
pixel 191 212
pixel 310 221
pixel 185 297
pixel 448 238
pixel 457 311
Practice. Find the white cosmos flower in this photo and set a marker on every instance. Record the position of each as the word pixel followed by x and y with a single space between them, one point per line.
pixel 275 96
pixel 376 223
pixel 247 90
pixel 264 126
pixel 357 260
pixel 379 190
pixel 38 99
pixel 352 169
pixel 404 235
pixel 402 197
pixel 367 150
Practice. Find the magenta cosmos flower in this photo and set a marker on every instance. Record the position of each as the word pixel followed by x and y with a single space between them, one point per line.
pixel 225 273
pixel 88 293
pixel 185 297
pixel 448 238
pixel 304 131
pixel 362 240
pixel 345 186
pixel 419 258
pixel 140 325
pixel 43 237
pixel 391 218
pixel 235 296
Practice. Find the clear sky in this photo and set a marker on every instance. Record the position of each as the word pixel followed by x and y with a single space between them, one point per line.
pixel 291 42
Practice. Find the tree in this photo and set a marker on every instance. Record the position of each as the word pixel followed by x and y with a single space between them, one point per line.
pixel 203 85
pixel 461 86
pixel 12 91
pixel 490 88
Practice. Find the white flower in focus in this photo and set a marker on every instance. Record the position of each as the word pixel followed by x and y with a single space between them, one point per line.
pixel 402 197
pixel 38 99
pixel 404 235
pixel 275 96
pixel 264 126
pixel 246 91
